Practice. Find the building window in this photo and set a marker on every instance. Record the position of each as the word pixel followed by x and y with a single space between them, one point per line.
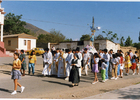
pixel 24 42
pixel 9 42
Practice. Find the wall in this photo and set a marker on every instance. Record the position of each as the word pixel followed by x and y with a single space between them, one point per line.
pixel 102 44
pixel 114 46
pixel 14 43
pixel 22 46
pixel 126 49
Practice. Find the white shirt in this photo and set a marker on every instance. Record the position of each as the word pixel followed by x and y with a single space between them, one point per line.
pixel 114 60
pixel 131 55
pixel 86 56
pixel 56 56
pixel 69 58
pixel 103 66
pixel 106 57
pixel 118 59
pixel 96 59
pixel 48 57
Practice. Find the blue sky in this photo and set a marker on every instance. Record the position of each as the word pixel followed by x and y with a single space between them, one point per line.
pixel 75 17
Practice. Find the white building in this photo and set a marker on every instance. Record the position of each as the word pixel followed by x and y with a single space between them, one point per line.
pixel 99 44
pixel 19 41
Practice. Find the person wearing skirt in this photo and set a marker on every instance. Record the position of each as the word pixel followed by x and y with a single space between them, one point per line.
pixel 133 64
pixel 74 73
pixel 127 63
pixel 95 67
pixel 16 74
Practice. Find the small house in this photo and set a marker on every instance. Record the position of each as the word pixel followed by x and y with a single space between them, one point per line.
pixel 19 41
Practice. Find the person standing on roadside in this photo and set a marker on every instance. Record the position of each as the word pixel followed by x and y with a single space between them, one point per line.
pixel 32 62
pixel 22 58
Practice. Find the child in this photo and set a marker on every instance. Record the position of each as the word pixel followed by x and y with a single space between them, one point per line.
pixel 118 58
pixel 122 65
pixel 138 64
pixel 95 67
pixel 103 69
pixel 16 74
pixel 32 62
pixel 115 63
pixel 127 62
pixel 133 64
pixel 22 57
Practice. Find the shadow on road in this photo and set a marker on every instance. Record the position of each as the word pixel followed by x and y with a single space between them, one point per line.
pixel 5 90
pixel 57 83
pixel 8 64
pixel 5 72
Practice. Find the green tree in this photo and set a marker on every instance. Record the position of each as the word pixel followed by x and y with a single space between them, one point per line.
pixel 128 42
pixel 110 35
pixel 137 45
pixel 122 41
pixel 53 37
pixel 85 37
pixel 14 25
pixel 100 37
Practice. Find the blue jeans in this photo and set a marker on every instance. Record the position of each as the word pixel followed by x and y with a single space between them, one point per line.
pixel 33 66
pixel 107 70
pixel 118 71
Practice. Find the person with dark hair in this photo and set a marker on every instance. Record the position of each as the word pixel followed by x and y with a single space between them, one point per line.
pixel 103 69
pixel 131 54
pixel 61 65
pixel 53 66
pixel 86 58
pixel 133 64
pixel 138 64
pixel 122 65
pixel 110 63
pixel 48 62
pixel 106 57
pixel 16 74
pixel 32 62
pixel 22 57
pixel 74 72
pixel 68 61
pixel 95 67
pixel 56 59
pixel 119 61
pixel 136 52
pixel 80 58
pixel 115 63
pixel 127 63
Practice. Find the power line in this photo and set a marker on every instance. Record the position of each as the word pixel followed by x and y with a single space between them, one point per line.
pixel 53 22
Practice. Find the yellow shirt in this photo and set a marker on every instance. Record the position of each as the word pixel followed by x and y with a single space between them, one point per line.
pixel 32 59
pixel 17 62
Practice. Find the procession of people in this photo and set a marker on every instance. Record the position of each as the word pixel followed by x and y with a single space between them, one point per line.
pixel 70 64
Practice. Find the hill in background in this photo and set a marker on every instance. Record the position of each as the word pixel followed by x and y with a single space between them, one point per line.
pixel 35 29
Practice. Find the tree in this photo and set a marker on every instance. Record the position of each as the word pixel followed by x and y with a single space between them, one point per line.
pixel 53 37
pixel 99 37
pixel 137 45
pixel 85 37
pixel 110 36
pixel 14 25
pixel 122 41
pixel 128 41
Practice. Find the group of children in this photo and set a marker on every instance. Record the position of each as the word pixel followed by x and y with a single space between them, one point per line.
pixel 71 63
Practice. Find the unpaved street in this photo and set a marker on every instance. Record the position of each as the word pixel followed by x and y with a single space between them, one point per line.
pixel 39 86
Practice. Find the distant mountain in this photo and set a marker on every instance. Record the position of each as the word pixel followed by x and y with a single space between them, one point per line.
pixel 35 29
